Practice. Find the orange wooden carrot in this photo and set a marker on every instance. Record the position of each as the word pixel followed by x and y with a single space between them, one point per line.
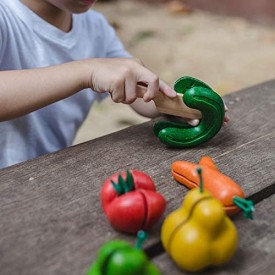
pixel 219 185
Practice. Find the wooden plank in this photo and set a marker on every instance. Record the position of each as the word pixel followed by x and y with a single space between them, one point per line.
pixel 51 217
pixel 250 165
pixel 256 248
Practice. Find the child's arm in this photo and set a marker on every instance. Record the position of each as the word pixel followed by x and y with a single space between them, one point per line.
pixel 24 91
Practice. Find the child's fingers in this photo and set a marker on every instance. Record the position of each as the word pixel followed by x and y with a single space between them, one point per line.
pixel 226 117
pixel 155 86
pixel 193 122
pixel 118 92
pixel 152 88
pixel 225 108
pixel 130 91
pixel 166 89
pixel 116 97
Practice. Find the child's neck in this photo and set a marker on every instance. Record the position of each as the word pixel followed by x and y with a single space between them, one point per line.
pixel 53 15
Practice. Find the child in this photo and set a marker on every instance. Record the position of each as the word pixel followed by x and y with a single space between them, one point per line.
pixel 57 57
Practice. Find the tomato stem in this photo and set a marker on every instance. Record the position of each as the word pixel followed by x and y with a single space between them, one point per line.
pixel 124 186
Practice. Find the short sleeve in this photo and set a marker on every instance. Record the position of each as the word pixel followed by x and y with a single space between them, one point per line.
pixel 114 46
pixel 3 32
pixel 104 40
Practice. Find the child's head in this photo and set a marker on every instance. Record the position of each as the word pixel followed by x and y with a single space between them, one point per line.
pixel 72 6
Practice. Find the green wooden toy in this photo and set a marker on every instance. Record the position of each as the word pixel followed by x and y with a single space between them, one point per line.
pixel 120 258
pixel 196 95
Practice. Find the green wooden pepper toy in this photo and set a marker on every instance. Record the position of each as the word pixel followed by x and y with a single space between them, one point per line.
pixel 120 258
pixel 196 95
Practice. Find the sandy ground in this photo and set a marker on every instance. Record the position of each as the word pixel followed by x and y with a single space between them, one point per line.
pixel 227 53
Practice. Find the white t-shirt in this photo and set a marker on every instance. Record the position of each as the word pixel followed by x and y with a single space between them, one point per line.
pixel 27 41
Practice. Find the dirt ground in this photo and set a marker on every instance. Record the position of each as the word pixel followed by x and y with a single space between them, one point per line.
pixel 228 53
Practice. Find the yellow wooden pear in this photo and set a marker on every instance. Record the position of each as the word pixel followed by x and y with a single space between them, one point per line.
pixel 199 234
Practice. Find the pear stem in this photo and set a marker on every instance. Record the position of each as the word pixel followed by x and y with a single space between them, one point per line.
pixel 199 171
pixel 245 205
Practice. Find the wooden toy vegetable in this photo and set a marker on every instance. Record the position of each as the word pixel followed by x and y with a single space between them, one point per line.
pixel 120 258
pixel 130 201
pixel 219 185
pixel 199 234
pixel 197 95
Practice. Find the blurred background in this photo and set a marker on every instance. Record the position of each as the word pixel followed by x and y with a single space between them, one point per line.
pixel 228 44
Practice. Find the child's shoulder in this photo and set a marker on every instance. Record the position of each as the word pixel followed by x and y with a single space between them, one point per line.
pixel 94 16
pixel 3 8
pixel 12 9
pixel 5 14
pixel 93 20
pixel 6 5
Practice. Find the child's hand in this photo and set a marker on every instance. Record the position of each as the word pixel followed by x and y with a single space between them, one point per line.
pixel 120 77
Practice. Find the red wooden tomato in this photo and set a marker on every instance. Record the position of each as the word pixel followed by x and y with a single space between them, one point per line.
pixel 130 201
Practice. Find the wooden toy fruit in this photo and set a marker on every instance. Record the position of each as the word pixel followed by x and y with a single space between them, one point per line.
pixel 120 258
pixel 130 201
pixel 223 188
pixel 199 234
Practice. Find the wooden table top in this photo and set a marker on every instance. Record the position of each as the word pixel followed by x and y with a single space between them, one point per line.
pixel 51 216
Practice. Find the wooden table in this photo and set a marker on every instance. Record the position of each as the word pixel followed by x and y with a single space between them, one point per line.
pixel 51 216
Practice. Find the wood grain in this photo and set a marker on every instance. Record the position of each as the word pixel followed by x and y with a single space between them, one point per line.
pixel 51 217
